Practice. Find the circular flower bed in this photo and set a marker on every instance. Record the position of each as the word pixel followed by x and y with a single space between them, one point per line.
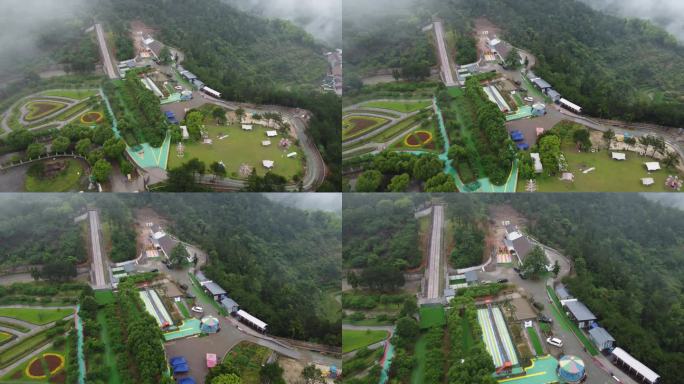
pixel 417 139
pixel 91 117
pixel 54 362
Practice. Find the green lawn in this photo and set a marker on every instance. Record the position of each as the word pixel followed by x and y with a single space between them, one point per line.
pixel 110 356
pixel 467 341
pixel 77 94
pixel 104 297
pixel 4 337
pixel 432 316
pixel 17 327
pixel 241 147
pixel 374 112
pixel 35 315
pixel 568 324
pixel 71 112
pixel 420 353
pixel 20 350
pixel 67 180
pixel 353 340
pixel 35 112
pixel 398 106
pixel 248 359
pixel 534 338
pixel 183 308
pixel 609 176
pixel 349 130
pixel 396 130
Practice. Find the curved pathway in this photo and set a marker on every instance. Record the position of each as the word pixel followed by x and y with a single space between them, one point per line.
pixel 40 97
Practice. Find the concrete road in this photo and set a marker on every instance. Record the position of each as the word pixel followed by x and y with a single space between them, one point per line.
pixel 435 261
pixel 447 73
pixel 107 63
pixel 98 267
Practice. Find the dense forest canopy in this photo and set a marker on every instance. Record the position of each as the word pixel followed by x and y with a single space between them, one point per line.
pixel 278 263
pixel 628 259
pixel 40 230
pixel 381 231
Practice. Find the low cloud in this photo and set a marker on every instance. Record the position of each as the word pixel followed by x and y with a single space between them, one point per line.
pixel 669 14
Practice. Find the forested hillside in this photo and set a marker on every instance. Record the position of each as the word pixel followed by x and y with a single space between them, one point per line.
pixel 279 263
pixel 629 262
pixel 41 231
pixel 612 67
pixel 380 232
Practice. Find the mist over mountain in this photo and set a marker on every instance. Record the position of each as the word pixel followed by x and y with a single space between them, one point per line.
pixel 668 14
pixel 329 202
pixel 321 18
pixel 25 27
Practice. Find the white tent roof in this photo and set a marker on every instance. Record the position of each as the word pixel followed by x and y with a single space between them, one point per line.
pixel 538 167
pixel 213 92
pixel 647 181
pixel 570 104
pixel 247 127
pixel 184 132
pixel 267 163
pixel 653 166
pixel 292 154
pixel 619 156
pixel 271 133
pixel 266 143
pixel 636 365
pixel 258 323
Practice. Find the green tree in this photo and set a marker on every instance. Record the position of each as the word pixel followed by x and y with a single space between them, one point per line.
pixel 549 152
pixel 409 307
pixel 101 170
pixel 165 55
pixel 114 148
pixel 126 167
pixel 608 137
pixel 312 375
pixel 219 114
pixel 60 144
pixel 35 150
pixel 556 268
pixel 83 146
pixel 240 113
pixel 407 330
pixel 179 255
pixel 229 378
pixel 426 167
pixel 535 263
pixel 369 181
pixel 217 169
pixel 399 183
pixel 271 373
pixel 582 137
pixel 101 134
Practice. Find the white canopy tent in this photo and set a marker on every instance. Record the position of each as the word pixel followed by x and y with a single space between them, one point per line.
pixel 635 365
pixel 266 143
pixel 647 181
pixel 268 163
pixel 292 154
pixel 247 127
pixel 619 156
pixel 271 133
pixel 652 166
pixel 252 320
pixel 538 167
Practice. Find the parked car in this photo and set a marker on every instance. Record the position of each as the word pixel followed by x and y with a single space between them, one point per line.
pixel 190 296
pixel 544 319
pixel 556 342
pixel 155 270
pixel 528 99
pixel 197 309
pixel 183 287
pixel 502 281
pixel 522 276
pixel 516 269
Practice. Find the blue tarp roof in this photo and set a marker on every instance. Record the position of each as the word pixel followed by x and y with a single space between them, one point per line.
pixel 180 368
pixel 177 360
pixel 187 380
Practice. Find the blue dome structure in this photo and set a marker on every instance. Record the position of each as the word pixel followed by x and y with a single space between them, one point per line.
pixel 571 369
pixel 209 324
